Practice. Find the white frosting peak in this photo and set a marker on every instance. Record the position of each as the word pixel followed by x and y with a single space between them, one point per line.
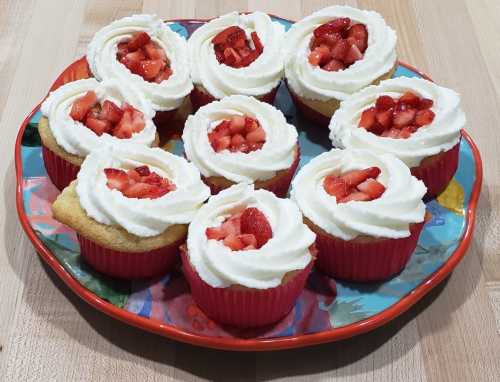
pixel 141 217
pixel 388 216
pixel 440 135
pixel 74 136
pixel 312 82
pixel 220 80
pixel 263 268
pixel 278 152
pixel 101 56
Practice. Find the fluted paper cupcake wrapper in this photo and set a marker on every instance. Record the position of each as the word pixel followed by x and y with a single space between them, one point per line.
pixel 244 308
pixel 60 171
pixel 437 174
pixel 162 119
pixel 279 186
pixel 364 261
pixel 200 98
pixel 130 265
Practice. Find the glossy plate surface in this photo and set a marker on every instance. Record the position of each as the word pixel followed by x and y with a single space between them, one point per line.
pixel 164 306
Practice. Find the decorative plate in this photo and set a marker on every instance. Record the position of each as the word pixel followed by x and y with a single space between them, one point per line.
pixel 164 305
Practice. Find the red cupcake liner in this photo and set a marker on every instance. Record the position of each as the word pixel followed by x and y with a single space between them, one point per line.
pixel 438 173
pixel 309 113
pixel 162 119
pixel 244 308
pixel 130 265
pixel 279 186
pixel 200 98
pixel 60 171
pixel 359 261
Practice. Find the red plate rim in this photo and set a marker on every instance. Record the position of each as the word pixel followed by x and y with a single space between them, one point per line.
pixel 281 343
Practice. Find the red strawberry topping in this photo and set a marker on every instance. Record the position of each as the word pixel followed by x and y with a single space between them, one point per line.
pixel 397 118
pixel 237 134
pixel 108 117
pixel 232 47
pixel 249 229
pixel 338 44
pixel 357 185
pixel 144 57
pixel 141 183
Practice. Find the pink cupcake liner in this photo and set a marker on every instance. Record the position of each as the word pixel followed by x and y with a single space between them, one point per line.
pixel 374 260
pixel 279 187
pixel 200 98
pixel 244 308
pixel 438 173
pixel 60 171
pixel 129 265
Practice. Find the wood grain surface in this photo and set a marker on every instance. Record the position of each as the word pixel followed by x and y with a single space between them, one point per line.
pixel 49 334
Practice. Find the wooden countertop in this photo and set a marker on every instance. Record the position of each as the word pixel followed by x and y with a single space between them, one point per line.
pixel 48 334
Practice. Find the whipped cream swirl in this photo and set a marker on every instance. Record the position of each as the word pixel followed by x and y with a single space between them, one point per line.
pixel 263 268
pixel 440 135
pixel 76 138
pixel 141 217
pixel 101 56
pixel 314 83
pixel 278 152
pixel 389 216
pixel 221 80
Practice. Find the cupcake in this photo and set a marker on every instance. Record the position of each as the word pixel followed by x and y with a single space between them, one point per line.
pixel 366 210
pixel 143 51
pixel 82 115
pixel 414 119
pixel 236 54
pixel 130 206
pixel 333 53
pixel 247 257
pixel 242 140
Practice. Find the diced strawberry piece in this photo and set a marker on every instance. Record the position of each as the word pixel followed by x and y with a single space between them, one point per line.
pixel 237 140
pixel 410 99
pixel 256 42
pixel 336 186
pixel 232 226
pixel 160 191
pixel 355 177
pixel 154 52
pixel 403 118
pixel 248 239
pixel 98 126
pixel 254 222
pixel 328 39
pixel 138 40
pixel 134 176
pixel 154 178
pixel 339 51
pixel 368 118
pixel 221 130
pixel 334 65
pixel 132 60
pixel 140 191
pixel 221 37
pixel 237 124
pixel 138 122
pixel 254 146
pixel 143 170
pixel 82 105
pixel 111 112
pixel 359 36
pixel 384 102
pixel 234 243
pixel 258 135
pixel 337 25
pixel 163 75
pixel 372 188
pixel 250 124
pixel 149 69
pixel 123 129
pixel 384 118
pixel 232 58
pixel 353 55
pixel 392 133
pixel 215 233
pixel 355 197
pixel 242 147
pixel 248 59
pixel 222 143
pixel 314 58
pixel 122 50
pixel 425 103
pixel 319 55
pixel 424 117
pixel 116 178
pixel 405 132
